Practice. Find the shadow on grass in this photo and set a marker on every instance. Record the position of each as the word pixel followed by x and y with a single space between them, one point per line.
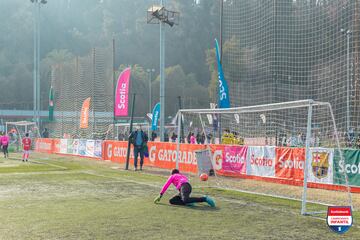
pixel 198 207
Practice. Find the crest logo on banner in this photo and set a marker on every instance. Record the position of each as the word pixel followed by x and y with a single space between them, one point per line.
pixel 320 164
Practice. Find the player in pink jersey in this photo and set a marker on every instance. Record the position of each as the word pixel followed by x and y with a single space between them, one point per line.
pixel 26 142
pixel 182 184
pixel 5 144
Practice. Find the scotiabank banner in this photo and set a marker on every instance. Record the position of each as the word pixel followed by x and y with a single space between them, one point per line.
pixel 234 159
pixel 162 155
pixel 261 161
pixel 290 163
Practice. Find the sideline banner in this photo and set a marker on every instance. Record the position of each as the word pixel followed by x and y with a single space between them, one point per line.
pixel 320 168
pixel 90 147
pixel 98 148
pixel 44 145
pixel 351 167
pixel 162 155
pixel 234 159
pixel 261 161
pixel 63 146
pixel 82 147
pixel 76 147
pixel 289 163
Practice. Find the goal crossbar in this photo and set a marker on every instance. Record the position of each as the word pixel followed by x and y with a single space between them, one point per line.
pixel 259 108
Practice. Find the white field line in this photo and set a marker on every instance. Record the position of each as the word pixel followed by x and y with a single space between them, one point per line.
pixel 45 163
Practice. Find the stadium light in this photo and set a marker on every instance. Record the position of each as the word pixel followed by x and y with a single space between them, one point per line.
pixel 348 34
pixel 158 14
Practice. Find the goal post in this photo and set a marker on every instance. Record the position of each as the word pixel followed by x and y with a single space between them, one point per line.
pixel 17 131
pixel 300 150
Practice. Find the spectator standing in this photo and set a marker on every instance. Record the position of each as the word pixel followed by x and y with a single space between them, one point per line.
pixel 192 139
pixel 139 139
pixel 45 133
pixel 153 136
pixel 173 137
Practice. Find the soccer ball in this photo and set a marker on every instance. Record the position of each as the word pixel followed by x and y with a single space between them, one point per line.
pixel 204 177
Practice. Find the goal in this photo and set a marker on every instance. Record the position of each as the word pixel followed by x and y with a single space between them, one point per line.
pixel 290 150
pixel 17 131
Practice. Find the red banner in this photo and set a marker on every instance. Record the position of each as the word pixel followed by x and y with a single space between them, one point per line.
pixel 44 145
pixel 162 155
pixel 289 163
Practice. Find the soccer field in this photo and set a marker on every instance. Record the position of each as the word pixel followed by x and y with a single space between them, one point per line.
pixel 58 197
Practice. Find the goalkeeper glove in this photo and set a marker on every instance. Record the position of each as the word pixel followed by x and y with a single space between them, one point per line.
pixel 157 199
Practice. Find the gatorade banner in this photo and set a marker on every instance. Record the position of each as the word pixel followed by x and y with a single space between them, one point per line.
pixel 350 166
pixel 234 159
pixel 122 94
pixel 84 118
pixel 261 161
pixel 162 155
pixel 289 163
pixel 320 167
pixel 224 97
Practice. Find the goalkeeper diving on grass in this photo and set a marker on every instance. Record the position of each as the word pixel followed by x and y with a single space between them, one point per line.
pixel 182 184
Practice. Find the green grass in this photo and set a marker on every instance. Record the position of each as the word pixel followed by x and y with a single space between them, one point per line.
pixel 70 198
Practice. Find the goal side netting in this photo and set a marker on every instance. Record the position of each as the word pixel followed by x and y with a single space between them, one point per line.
pixel 290 150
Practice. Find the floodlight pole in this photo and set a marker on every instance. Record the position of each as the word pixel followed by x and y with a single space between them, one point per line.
pixel 36 68
pixel 162 76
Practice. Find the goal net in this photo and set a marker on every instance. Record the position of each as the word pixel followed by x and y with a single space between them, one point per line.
pixel 290 150
pixel 17 130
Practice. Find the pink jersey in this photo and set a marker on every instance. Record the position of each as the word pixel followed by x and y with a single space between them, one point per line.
pixel 192 140
pixel 5 140
pixel 176 179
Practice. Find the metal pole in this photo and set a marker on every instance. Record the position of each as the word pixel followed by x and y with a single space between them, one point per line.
pixel 307 157
pixel 35 63
pixel 221 54
pixel 114 86
pixel 178 139
pixel 38 65
pixel 182 126
pixel 131 127
pixel 348 80
pixel 149 75
pixel 162 76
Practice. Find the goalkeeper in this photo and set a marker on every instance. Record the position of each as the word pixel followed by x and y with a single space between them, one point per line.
pixel 182 184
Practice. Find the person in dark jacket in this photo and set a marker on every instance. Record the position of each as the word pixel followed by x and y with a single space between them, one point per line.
pixel 138 138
